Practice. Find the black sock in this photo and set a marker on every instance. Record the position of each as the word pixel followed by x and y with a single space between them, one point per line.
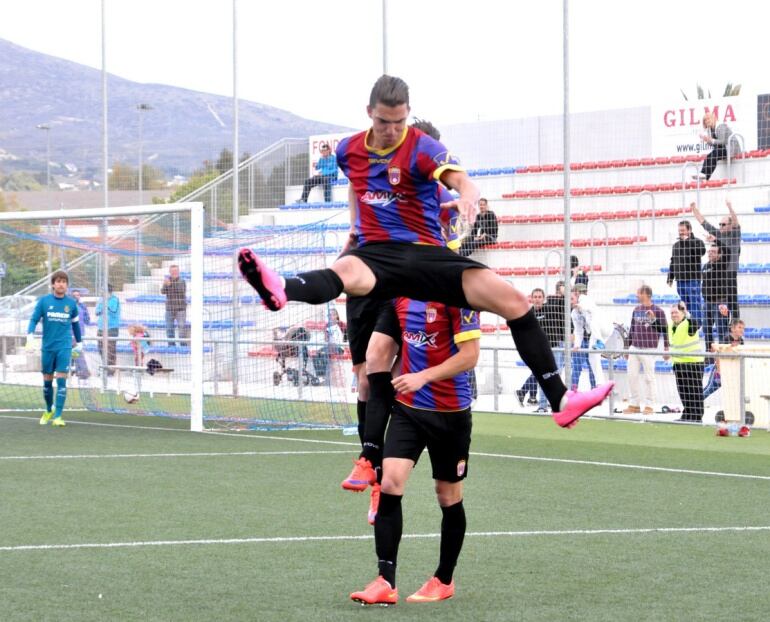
pixel 361 412
pixel 377 412
pixel 536 353
pixel 387 535
pixel 315 287
pixel 452 535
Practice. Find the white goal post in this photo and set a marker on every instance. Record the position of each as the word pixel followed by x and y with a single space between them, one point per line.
pixel 196 233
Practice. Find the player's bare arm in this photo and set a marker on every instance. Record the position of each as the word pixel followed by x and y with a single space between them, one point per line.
pixel 467 202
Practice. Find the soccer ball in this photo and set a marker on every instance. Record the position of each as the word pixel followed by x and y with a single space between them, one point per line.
pixel 131 398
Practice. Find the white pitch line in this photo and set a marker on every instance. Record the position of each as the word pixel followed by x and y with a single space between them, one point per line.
pixel 416 536
pixel 192 454
pixel 620 465
pixel 616 465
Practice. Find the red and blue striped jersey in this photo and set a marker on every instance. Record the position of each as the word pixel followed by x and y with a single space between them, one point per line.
pixel 450 220
pixel 430 332
pixel 395 188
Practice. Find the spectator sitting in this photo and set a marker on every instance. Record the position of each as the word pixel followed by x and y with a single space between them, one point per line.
pixel 327 173
pixel 737 328
pixel 719 138
pixel 484 230
pixel 648 324
pixel 729 237
pixel 685 269
pixel 140 343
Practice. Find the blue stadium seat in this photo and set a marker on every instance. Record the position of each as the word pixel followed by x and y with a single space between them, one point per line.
pixel 763 237
pixel 508 170
pixel 662 367
pixel 763 209
pixel 750 237
pixel 755 268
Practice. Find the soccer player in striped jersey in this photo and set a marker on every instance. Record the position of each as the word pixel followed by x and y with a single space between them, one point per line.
pixel 392 170
pixel 59 315
pixel 432 409
pixel 375 340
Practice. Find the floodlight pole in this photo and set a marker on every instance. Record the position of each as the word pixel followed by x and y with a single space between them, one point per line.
pixel 567 211
pixel 384 37
pixel 142 108
pixel 47 129
pixel 236 272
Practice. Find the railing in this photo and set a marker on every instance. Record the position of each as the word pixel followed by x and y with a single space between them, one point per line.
pixel 639 198
pixel 606 245
pixel 558 254
pixel 738 138
pixel 686 166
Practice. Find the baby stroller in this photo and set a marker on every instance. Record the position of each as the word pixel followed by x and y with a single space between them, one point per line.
pixel 293 353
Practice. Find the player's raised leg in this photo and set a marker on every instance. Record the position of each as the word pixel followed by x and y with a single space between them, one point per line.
pixel 486 291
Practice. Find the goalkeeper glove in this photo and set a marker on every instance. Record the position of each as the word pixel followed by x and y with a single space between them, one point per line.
pixel 32 344
pixel 77 350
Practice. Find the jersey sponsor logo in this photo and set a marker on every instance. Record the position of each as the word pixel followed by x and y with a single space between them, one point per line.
pixel 378 197
pixel 461 468
pixel 394 175
pixel 444 158
pixel 57 315
pixel 420 338
pixel 379 160
pixel 431 313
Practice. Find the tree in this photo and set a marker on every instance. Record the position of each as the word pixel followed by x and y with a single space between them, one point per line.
pixel 730 91
pixel 25 258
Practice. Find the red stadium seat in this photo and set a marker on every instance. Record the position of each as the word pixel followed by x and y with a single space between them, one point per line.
pixel 633 162
pixel 619 189
pixel 505 220
pixel 605 189
pixel 576 166
pixel 534 169
pixel 663 160
pixel 488 328
pixel 535 271
pixel 678 160
pixel 577 192
pixel 647 161
pixel 520 219
pixel 618 163
pixel 590 165
pixel 604 164
pixel 635 189
pixel 519 272
pixel 553 217
pixel 504 271
pixel 550 193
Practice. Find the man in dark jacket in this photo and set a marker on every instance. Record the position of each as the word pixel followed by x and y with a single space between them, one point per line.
pixel 175 290
pixel 716 291
pixel 729 237
pixel 484 230
pixel 552 322
pixel 685 269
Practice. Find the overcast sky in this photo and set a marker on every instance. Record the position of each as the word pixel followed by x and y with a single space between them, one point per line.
pixel 464 61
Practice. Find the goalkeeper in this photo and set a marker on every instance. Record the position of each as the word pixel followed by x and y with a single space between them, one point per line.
pixel 59 314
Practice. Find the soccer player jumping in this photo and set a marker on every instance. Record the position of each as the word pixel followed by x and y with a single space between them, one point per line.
pixel 59 314
pixel 392 170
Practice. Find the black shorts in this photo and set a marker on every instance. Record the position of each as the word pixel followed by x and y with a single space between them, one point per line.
pixel 366 315
pixel 447 435
pixel 417 271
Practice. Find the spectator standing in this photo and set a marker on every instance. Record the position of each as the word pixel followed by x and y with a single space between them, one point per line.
pixel 327 175
pixel 530 384
pixel 175 290
pixel 484 230
pixel 113 326
pixel 685 269
pixel 553 325
pixel 140 343
pixel 648 325
pixel 83 314
pixel 688 365
pixel 715 293
pixel 718 136
pixel 584 338
pixel 729 237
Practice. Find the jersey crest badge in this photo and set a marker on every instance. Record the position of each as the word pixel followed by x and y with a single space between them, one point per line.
pixel 66 308
pixel 431 313
pixel 394 175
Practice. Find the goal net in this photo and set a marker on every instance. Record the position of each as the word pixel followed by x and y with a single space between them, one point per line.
pixel 169 329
